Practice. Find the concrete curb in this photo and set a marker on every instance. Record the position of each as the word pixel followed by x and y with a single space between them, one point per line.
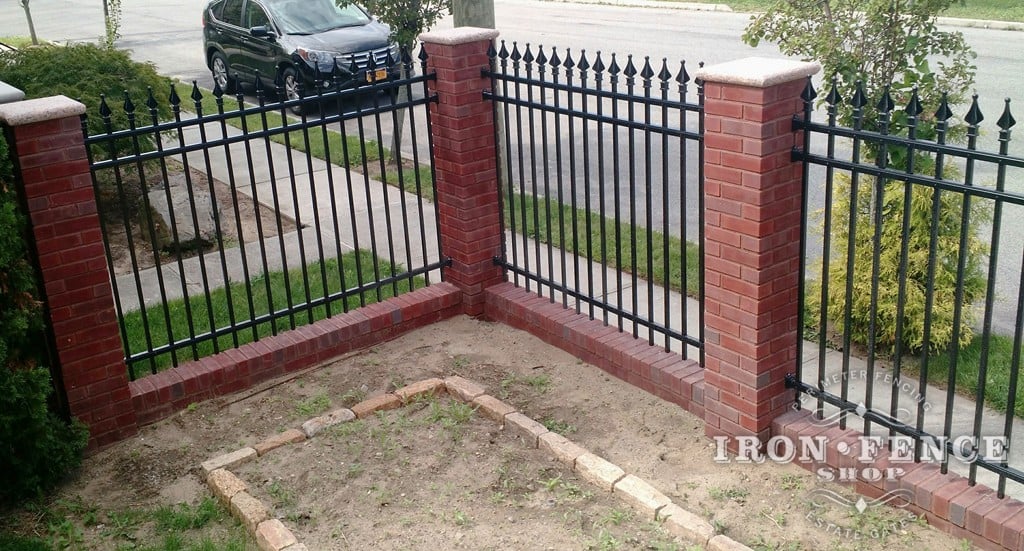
pixel 272 535
pixel 695 6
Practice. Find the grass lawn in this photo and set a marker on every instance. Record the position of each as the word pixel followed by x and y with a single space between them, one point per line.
pixel 264 295
pixel 557 219
pixel 997 375
pixel 64 524
pixel 348 151
pixel 996 10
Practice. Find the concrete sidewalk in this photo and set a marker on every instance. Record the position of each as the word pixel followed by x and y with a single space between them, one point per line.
pixel 305 191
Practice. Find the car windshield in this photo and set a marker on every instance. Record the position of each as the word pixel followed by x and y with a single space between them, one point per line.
pixel 315 16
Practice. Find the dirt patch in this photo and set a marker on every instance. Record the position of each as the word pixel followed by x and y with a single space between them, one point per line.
pixel 344 495
pixel 126 229
pixel 433 475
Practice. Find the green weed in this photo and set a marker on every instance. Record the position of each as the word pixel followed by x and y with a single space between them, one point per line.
pixel 314 405
pixel 738 495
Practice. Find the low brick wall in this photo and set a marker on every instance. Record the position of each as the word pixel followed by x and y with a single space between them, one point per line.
pixel 157 396
pixel 947 501
pixel 664 374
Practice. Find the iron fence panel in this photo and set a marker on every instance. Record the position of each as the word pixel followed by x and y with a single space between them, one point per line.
pixel 938 349
pixel 601 182
pixel 269 220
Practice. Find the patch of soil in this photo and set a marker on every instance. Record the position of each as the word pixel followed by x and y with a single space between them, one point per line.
pixel 126 228
pixel 417 478
pixel 345 490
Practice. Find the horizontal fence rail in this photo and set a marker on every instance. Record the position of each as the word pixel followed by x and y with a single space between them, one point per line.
pixel 914 255
pixel 239 220
pixel 602 173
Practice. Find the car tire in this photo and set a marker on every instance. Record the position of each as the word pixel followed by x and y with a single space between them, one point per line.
pixel 221 76
pixel 290 80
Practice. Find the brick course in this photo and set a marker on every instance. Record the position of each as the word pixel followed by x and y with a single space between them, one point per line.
pixel 157 396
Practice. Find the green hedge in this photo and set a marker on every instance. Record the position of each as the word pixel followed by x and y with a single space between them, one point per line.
pixel 37 449
pixel 85 72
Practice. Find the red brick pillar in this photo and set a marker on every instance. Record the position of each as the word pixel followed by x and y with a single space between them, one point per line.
pixel 465 161
pixel 51 165
pixel 752 197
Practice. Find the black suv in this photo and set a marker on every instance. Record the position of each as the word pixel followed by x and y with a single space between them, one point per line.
pixel 290 39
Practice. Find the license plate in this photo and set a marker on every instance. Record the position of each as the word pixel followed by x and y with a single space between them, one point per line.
pixel 374 76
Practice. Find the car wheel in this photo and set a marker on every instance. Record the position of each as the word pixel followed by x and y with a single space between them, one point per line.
pixel 291 89
pixel 219 68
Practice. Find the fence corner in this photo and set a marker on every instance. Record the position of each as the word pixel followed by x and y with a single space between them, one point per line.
pixel 464 160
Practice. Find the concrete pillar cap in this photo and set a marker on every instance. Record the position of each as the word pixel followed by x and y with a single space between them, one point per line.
pixel 758 72
pixel 458 35
pixel 32 111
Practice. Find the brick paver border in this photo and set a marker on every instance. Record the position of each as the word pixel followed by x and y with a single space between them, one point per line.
pixel 271 535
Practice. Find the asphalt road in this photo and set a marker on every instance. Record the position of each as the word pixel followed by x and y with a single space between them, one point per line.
pixel 169 34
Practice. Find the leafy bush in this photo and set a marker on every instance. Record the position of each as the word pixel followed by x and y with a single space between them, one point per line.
pixel 947 255
pixel 86 72
pixel 894 44
pixel 37 449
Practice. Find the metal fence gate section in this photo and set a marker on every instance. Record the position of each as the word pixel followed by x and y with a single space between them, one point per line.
pixel 601 167
pixel 238 219
pixel 913 267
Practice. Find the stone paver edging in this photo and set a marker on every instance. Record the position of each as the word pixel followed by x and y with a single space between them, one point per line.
pixel 271 535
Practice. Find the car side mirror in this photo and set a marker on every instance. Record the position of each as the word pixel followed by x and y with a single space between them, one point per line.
pixel 263 31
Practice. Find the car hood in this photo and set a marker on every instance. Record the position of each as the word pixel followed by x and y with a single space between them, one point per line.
pixel 345 40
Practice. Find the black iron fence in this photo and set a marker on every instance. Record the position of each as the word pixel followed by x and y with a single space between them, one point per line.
pixel 914 253
pixel 601 174
pixel 237 219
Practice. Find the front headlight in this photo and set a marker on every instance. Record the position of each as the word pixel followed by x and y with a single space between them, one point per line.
pixel 396 53
pixel 323 60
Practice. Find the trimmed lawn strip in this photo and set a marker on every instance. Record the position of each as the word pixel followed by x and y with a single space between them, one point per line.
pixel 266 293
pixel 350 152
pixel 998 373
pixel 558 219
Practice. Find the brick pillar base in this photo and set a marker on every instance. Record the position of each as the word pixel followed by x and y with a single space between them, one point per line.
pixel 465 161
pixel 752 197
pixel 50 162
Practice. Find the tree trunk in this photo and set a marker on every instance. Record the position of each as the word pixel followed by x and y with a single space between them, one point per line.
pixel 473 13
pixel 396 138
pixel 31 26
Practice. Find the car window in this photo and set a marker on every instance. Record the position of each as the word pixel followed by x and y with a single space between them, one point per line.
pixel 255 15
pixel 232 12
pixel 217 8
pixel 315 16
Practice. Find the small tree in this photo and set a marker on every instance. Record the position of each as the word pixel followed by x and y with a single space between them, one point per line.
pixel 111 22
pixel 871 48
pixel 407 19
